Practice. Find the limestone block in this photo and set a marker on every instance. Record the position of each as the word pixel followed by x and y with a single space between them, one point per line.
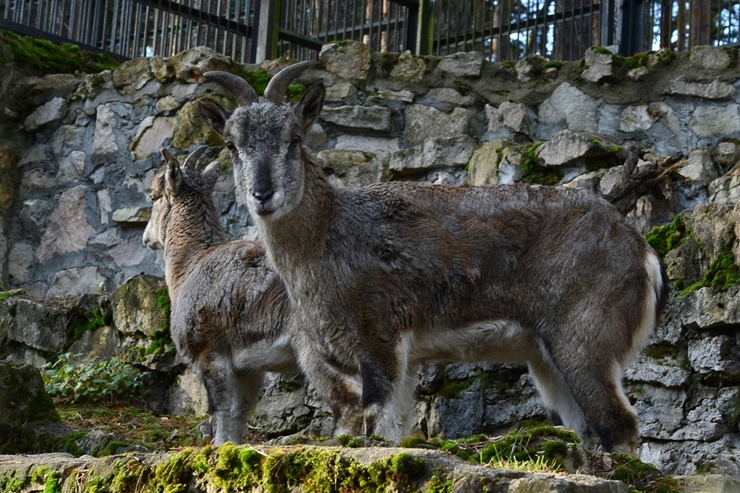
pixel 382 147
pixel 488 166
pixel 47 115
pixel 100 344
pixel 568 104
pixel 717 354
pixel 409 68
pixel 315 136
pixel 287 407
pixel 359 117
pixel 191 129
pixel 132 215
pixel 76 281
pixel 104 141
pixel 71 167
pixel 167 105
pixel 598 63
pixel 728 153
pixel 711 90
pixel 424 123
pixel 457 417
pixel 468 64
pixel 132 75
pixel 136 306
pixel 613 180
pixel 389 95
pixel 67 229
pixel 187 396
pixel 569 146
pixel 447 97
pixel 713 121
pixel 668 374
pixel 515 117
pixel 529 67
pixel 635 118
pixel 20 261
pixel 348 59
pixel 39 326
pixel 434 153
pixel 699 166
pixel 352 167
pixel 710 57
pixel 725 190
pixel 660 411
pixel 340 91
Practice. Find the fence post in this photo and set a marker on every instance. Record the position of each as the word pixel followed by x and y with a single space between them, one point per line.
pixel 422 21
pixel 630 24
pixel 608 24
pixel 266 46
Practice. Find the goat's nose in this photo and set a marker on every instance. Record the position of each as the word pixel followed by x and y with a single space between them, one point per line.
pixel 263 196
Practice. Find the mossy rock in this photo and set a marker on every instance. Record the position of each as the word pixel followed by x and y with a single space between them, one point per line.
pixel 46 57
pixel 23 398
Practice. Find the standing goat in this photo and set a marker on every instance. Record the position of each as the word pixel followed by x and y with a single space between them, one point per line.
pixel 229 310
pixel 391 274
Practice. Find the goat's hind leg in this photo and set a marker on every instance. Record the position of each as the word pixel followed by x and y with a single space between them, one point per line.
pixel 583 386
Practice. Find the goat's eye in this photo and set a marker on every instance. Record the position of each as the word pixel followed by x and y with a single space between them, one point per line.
pixel 295 139
pixel 230 146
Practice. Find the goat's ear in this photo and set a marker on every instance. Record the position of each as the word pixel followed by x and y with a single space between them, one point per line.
pixel 173 175
pixel 214 113
pixel 309 107
pixel 210 174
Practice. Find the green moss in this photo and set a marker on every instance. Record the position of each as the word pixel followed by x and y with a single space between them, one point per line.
pixel 47 57
pixel 642 477
pixel 602 50
pixel 82 323
pixel 665 238
pixel 533 172
pixel 722 273
pixel 5 295
pixel 295 92
pixel 49 478
pixel 440 482
pixel 162 342
pixel 258 79
pixel 10 484
pixel 552 64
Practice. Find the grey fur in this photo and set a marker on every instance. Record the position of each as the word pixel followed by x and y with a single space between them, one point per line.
pixel 229 310
pixel 392 274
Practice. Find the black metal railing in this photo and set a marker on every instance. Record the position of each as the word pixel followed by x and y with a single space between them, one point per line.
pixel 254 30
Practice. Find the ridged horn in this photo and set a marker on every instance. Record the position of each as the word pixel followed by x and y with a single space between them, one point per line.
pixel 192 159
pixel 278 86
pixel 238 87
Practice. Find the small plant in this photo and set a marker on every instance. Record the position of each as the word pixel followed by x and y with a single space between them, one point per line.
pixel 105 381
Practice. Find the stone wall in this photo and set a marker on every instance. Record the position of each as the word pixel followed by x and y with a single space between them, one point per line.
pixel 656 134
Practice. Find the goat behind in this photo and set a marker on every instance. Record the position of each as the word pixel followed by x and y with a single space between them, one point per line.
pixel 391 274
pixel 229 310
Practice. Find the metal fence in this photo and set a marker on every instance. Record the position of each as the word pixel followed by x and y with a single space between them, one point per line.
pixel 137 28
pixel 253 30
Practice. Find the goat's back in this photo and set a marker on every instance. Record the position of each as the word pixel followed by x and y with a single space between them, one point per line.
pixel 417 257
pixel 230 298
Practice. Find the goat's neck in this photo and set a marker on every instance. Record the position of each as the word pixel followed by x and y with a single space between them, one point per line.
pixel 189 233
pixel 298 240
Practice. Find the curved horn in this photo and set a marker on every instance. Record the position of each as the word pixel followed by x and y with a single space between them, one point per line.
pixel 238 87
pixel 193 157
pixel 278 85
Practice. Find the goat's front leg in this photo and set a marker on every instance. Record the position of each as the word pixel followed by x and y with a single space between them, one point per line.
pixel 231 396
pixel 341 391
pixel 388 382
